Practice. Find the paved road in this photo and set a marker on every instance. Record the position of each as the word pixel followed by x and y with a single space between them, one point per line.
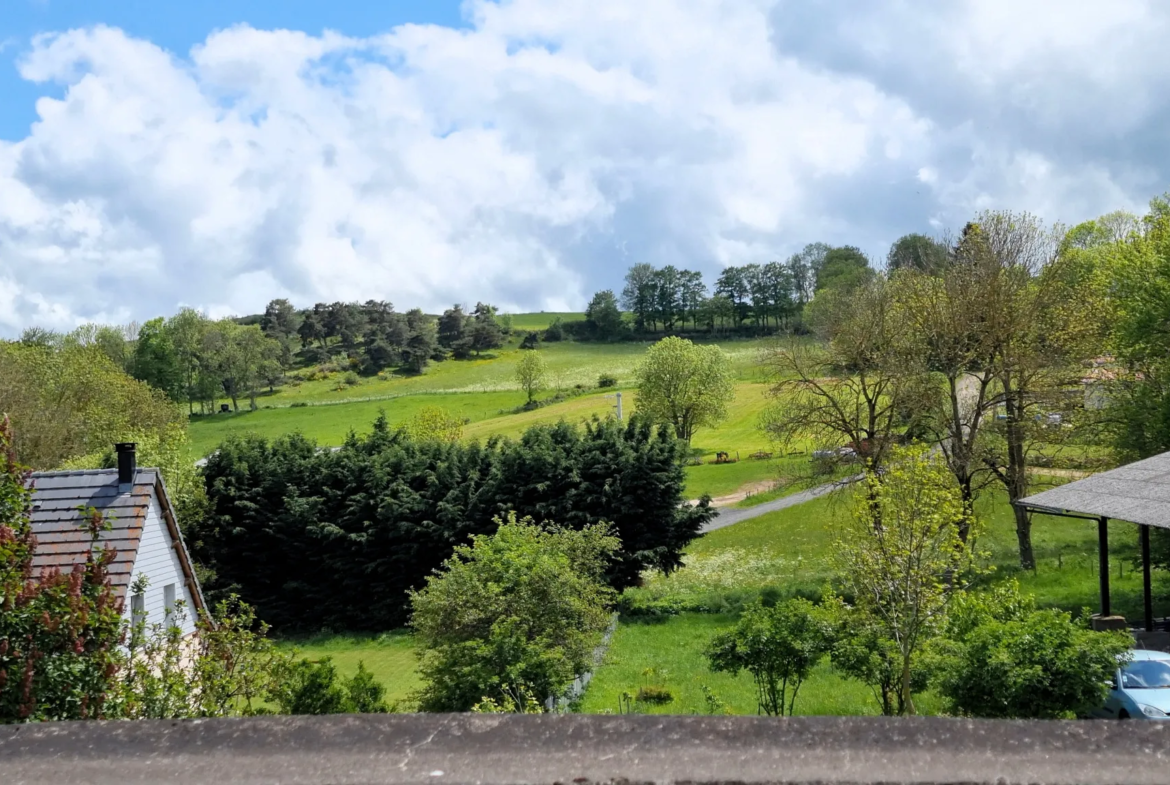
pixel 729 515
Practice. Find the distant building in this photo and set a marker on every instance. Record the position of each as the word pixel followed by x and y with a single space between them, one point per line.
pixel 143 531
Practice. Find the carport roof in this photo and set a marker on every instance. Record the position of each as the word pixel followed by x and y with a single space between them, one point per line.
pixel 1137 492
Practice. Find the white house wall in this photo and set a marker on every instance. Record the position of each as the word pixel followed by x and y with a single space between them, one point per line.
pixel 159 561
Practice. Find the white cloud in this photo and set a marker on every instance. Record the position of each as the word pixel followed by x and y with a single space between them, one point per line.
pixel 528 160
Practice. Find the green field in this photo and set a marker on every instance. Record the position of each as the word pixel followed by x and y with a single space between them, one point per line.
pixel 670 654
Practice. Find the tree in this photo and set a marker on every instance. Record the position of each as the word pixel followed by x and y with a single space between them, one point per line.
pixel 530 373
pixel 603 316
pixel 843 268
pixel 733 284
pixel 638 295
pixel 854 390
pixel 1036 341
pixel 155 360
pixel 485 330
pixel 778 646
pixel 421 341
pixel 804 266
pixel 453 332
pixel 519 611
pixel 74 401
pixel 692 293
pixel 918 252
pixel 862 650
pixel 1002 658
pixel 187 329
pixel 900 556
pixel 685 385
pixel 59 633
pixel 280 324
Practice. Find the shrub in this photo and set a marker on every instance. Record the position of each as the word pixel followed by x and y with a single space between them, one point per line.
pixel 351 379
pixel 298 404
pixel 607 380
pixel 312 687
pixel 779 646
pixel 555 331
pixel 59 636
pixel 517 612
pixel 531 341
pixel 655 694
pixel 1002 658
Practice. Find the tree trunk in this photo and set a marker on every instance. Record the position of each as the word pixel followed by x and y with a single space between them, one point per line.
pixel 1017 472
pixel 1024 538
pixel 906 698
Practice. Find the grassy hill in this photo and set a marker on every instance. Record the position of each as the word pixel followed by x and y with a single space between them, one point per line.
pixel 484 392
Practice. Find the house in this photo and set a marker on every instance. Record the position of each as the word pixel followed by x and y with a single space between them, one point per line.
pixel 143 531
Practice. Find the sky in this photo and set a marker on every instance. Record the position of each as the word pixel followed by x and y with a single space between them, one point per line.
pixel 220 154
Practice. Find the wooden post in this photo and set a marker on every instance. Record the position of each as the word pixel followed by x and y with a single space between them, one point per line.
pixel 1147 594
pixel 1103 563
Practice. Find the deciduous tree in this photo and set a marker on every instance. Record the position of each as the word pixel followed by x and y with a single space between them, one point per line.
pixel 686 385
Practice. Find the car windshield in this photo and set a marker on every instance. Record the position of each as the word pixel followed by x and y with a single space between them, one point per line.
pixel 1146 675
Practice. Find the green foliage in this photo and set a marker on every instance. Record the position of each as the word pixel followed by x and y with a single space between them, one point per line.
pixel 778 646
pixel 155 360
pixel 843 269
pixel 604 317
pixel 59 635
pixel 516 701
pixel 530 373
pixel 531 340
pixel 918 252
pixel 434 423
pixel 863 650
pixel 1004 659
pixel 313 687
pixel 606 380
pixel 71 401
pixel 686 385
pixel 519 610
pixel 900 554
pixel 315 538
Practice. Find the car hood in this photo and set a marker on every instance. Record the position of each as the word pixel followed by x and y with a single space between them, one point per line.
pixel 1159 698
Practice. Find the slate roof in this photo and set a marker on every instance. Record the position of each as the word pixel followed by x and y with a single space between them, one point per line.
pixel 1137 492
pixel 57 521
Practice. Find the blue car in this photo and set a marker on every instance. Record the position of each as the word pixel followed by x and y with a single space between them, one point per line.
pixel 1140 688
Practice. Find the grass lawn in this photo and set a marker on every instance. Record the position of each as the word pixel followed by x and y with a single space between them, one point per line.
pixel 389 657
pixel 670 654
pixel 539 321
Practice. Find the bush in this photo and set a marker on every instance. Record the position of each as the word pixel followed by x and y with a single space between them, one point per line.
pixel 779 646
pixel 312 687
pixel 654 694
pixel 517 612
pixel 555 331
pixel 1004 659
pixel 607 380
pixel 298 405
pixel 351 379
pixel 531 341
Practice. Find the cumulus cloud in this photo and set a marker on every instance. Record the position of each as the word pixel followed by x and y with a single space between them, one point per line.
pixel 529 159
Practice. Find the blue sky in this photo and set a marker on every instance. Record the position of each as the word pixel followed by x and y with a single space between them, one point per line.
pixel 221 154
pixel 177 25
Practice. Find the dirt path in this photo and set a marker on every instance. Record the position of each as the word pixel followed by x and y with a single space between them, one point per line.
pixel 744 491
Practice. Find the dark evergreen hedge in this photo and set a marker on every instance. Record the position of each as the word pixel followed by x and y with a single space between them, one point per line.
pixel 316 538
